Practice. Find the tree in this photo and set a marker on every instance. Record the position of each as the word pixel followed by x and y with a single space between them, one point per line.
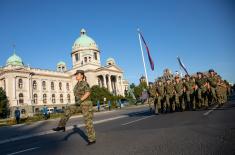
pixel 98 94
pixel 4 104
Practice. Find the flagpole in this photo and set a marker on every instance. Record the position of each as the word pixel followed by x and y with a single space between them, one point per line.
pixel 147 81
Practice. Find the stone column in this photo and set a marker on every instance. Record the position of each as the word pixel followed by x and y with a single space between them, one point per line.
pixel 109 83
pixel 104 78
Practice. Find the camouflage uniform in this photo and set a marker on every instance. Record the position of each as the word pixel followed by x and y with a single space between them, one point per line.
pixel 190 94
pixel 212 80
pixel 152 96
pixel 179 96
pixel 221 91
pixel 202 92
pixel 160 95
pixel 87 109
pixel 169 96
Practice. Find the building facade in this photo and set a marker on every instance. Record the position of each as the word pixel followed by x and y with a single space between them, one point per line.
pixel 30 88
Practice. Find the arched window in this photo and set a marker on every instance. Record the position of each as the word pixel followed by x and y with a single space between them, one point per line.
pixel 52 86
pixel 21 98
pixel 68 98
pixel 67 86
pixel 85 59
pixel 60 86
pixel 34 85
pixel 20 83
pixel 44 98
pixel 44 85
pixel 61 98
pixel 35 98
pixel 53 98
pixel 23 111
pixel 95 55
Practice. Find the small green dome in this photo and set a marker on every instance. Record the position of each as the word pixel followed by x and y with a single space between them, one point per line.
pixel 14 60
pixel 61 63
pixel 84 40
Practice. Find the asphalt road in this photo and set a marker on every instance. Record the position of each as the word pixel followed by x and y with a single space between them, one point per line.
pixel 130 131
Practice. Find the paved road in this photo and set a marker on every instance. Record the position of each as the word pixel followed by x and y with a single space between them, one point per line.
pixel 133 131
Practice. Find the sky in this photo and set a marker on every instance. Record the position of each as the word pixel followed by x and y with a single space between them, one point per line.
pixel 200 32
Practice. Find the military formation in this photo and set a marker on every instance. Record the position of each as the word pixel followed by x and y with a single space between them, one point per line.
pixel 189 93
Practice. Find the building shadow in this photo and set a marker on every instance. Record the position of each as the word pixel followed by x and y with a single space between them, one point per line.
pixel 76 130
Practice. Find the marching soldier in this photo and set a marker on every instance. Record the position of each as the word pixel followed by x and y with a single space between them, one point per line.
pixel 221 91
pixel 82 99
pixel 201 90
pixel 179 94
pixel 190 95
pixel 212 84
pixel 169 94
pixel 152 96
pixel 159 95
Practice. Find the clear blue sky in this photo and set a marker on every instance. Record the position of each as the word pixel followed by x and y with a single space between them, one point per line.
pixel 201 32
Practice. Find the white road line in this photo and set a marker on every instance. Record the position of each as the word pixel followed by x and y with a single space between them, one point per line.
pixel 51 131
pixel 137 120
pixel 30 149
pixel 209 111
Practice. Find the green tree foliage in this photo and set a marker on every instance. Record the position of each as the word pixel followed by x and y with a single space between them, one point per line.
pixel 99 93
pixel 138 89
pixel 4 107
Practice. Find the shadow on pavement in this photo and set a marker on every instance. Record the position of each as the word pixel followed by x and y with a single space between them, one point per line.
pixel 76 130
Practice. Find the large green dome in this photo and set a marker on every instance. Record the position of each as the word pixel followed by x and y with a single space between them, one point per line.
pixel 84 40
pixel 14 60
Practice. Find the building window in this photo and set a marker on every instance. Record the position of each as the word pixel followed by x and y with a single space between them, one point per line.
pixel 89 59
pixel 53 98
pixel 44 85
pixel 52 86
pixel 95 56
pixel 23 111
pixel 60 86
pixel 77 58
pixel 85 59
pixel 44 98
pixel 34 85
pixel 21 98
pixel 61 98
pixel 20 83
pixel 67 86
pixel 35 98
pixel 68 98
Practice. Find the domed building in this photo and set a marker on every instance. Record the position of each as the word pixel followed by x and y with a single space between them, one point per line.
pixel 30 88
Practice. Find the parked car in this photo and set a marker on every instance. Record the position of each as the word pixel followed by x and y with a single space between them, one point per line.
pixel 59 111
pixel 50 110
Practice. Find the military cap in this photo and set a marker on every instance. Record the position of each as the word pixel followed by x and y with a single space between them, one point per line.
pixel 199 73
pixel 79 71
pixel 211 70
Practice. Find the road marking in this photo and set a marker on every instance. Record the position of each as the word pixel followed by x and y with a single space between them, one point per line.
pixel 51 131
pixel 209 111
pixel 137 120
pixel 30 149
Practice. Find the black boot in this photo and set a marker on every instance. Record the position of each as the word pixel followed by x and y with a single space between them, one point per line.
pixel 90 143
pixel 59 128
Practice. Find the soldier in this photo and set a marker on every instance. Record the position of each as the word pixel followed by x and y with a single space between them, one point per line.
pixel 159 95
pixel 82 99
pixel 221 91
pixel 212 84
pixel 201 82
pixel 189 90
pixel 169 94
pixel 152 96
pixel 179 94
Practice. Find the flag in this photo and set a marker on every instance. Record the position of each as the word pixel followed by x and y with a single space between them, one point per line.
pixel 182 65
pixel 147 49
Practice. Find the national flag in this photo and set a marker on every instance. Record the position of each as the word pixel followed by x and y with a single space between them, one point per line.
pixel 148 52
pixel 182 65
